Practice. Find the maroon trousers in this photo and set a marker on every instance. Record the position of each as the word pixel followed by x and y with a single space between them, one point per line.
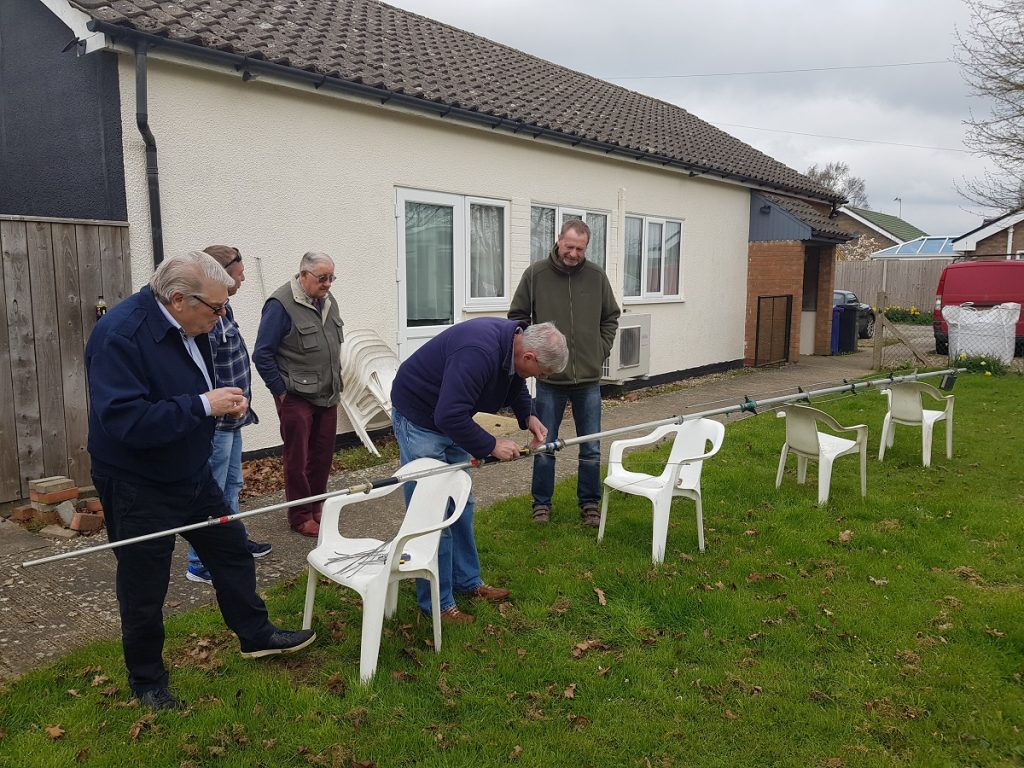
pixel 308 432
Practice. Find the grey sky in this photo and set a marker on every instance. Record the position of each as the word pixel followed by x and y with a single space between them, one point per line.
pixel 921 105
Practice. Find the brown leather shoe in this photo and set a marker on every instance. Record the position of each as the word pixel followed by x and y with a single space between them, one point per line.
pixel 454 616
pixel 309 528
pixel 487 592
pixel 590 516
pixel 541 514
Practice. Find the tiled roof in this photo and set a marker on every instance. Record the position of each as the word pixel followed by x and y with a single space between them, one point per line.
pixel 370 43
pixel 897 227
pixel 821 225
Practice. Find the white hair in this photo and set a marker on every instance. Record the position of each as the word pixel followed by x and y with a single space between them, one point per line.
pixel 187 274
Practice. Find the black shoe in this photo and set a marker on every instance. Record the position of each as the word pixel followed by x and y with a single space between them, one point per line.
pixel 257 549
pixel 282 641
pixel 159 698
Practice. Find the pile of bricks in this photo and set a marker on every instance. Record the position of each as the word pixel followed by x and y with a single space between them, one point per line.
pixel 60 509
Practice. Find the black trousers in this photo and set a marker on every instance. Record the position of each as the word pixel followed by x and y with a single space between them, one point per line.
pixel 143 570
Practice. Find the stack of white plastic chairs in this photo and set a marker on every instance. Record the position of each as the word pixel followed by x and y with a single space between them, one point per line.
pixel 368 368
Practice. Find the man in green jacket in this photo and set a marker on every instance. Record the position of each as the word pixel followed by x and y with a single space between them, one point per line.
pixel 576 296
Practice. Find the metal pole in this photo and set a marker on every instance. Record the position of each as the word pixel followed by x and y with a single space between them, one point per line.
pixel 747 406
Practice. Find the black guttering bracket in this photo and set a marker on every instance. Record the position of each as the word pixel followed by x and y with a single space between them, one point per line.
pixel 152 170
pixel 383 95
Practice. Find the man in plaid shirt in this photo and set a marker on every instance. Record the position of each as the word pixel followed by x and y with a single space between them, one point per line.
pixel 231 366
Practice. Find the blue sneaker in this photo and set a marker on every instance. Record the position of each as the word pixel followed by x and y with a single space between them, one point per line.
pixel 258 550
pixel 199 575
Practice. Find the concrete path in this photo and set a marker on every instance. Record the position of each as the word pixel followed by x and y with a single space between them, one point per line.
pixel 46 611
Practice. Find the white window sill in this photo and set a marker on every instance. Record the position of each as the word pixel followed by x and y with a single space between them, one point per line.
pixel 638 300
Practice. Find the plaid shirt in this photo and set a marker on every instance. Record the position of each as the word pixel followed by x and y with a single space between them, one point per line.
pixel 231 366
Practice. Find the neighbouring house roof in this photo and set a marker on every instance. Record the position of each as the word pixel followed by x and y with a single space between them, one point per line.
pixel 892 227
pixel 822 227
pixel 969 240
pixel 919 248
pixel 388 51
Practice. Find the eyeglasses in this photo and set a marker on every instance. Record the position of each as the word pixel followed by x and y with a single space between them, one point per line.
pixel 238 258
pixel 217 309
pixel 323 278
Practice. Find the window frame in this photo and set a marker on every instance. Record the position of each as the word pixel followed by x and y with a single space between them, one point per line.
pixel 487 303
pixel 647 296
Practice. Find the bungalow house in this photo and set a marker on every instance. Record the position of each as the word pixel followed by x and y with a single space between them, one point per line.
pixel 995 239
pixel 434 165
pixel 873 231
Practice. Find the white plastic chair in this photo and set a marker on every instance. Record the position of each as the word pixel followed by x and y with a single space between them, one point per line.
pixel 905 407
pixel 681 476
pixel 368 368
pixel 373 568
pixel 805 440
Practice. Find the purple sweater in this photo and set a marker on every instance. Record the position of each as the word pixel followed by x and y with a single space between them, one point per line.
pixel 466 369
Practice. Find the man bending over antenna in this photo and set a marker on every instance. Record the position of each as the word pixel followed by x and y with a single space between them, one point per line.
pixel 478 365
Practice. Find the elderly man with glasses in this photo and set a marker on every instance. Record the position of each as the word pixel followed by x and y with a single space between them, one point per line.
pixel 153 404
pixel 298 356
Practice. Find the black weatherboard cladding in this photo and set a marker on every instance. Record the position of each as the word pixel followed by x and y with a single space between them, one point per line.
pixel 60 121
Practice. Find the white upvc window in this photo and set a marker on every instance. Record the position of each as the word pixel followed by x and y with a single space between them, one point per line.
pixel 546 222
pixel 454 251
pixel 653 258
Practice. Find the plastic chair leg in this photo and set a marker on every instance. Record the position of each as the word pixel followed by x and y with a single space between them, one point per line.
pixel 660 534
pixel 391 601
pixel 949 437
pixel 604 513
pixel 307 610
pixel 700 521
pixel 824 479
pixel 801 469
pixel 373 625
pixel 864 469
pixel 886 440
pixel 435 609
pixel 926 443
pixel 782 464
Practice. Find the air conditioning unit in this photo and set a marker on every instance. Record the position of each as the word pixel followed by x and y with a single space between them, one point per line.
pixel 630 357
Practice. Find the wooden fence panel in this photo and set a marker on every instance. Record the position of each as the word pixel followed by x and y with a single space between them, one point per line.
pixel 908 283
pixel 72 352
pixel 18 289
pixel 45 333
pixel 10 471
pixel 90 275
pixel 51 275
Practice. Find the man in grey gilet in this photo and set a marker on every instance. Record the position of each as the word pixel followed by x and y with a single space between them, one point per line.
pixel 298 356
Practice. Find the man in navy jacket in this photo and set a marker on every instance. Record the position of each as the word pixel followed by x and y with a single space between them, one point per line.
pixel 153 402
pixel 478 365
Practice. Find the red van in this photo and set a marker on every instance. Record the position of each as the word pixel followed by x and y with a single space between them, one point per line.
pixel 982 283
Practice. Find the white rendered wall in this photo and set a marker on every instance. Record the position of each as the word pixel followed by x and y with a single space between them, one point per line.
pixel 277 171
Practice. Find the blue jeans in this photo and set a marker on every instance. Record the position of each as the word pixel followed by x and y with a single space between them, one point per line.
pixel 458 565
pixel 586 414
pixel 226 466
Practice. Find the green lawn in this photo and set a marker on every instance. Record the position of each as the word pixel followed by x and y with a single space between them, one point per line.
pixel 871 632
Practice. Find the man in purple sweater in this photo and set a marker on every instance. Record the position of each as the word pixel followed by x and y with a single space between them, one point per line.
pixel 478 365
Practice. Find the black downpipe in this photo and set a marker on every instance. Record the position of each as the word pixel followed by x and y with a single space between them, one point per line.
pixel 152 172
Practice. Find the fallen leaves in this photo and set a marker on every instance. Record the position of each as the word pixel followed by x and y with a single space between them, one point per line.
pixel 878 582
pixel 515 753
pixel 570 692
pixel 581 649
pixel 54 731
pixel 845 537
pixel 600 596
pixel 141 725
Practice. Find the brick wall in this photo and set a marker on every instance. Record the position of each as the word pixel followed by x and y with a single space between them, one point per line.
pixel 777 268
pixel 994 246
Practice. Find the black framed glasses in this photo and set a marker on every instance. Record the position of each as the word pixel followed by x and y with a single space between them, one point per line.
pixel 323 278
pixel 217 309
pixel 238 258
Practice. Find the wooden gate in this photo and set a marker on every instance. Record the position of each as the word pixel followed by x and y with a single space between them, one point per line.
pixel 53 272
pixel 774 317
